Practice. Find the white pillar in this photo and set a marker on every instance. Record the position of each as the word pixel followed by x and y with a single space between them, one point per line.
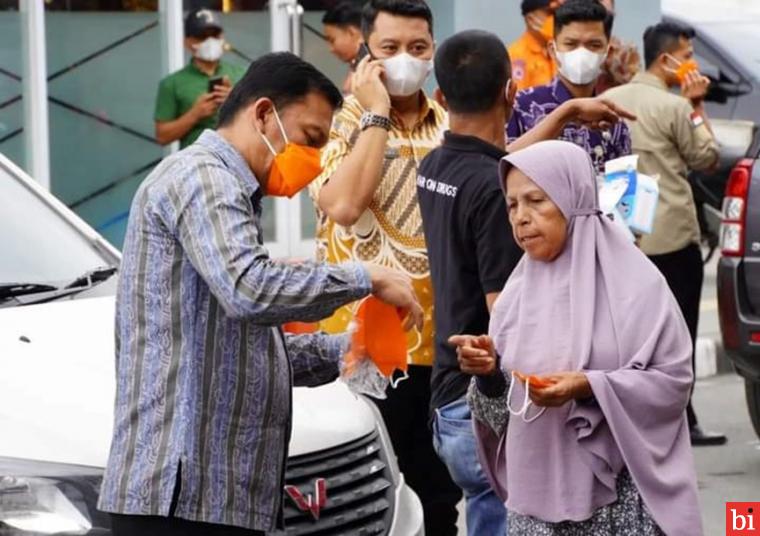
pixel 287 217
pixel 280 17
pixel 172 44
pixel 35 91
pixel 172 35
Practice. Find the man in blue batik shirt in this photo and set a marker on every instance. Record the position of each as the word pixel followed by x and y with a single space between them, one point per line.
pixel 203 369
pixel 582 31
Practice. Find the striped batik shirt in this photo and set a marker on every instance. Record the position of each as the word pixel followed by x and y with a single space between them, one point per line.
pixel 203 371
pixel 390 230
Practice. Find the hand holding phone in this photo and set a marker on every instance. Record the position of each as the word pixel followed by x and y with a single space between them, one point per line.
pixel 213 82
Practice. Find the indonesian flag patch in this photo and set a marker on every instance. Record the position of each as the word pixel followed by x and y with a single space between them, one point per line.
pixel 696 120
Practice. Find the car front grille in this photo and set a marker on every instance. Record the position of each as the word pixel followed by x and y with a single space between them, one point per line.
pixel 360 491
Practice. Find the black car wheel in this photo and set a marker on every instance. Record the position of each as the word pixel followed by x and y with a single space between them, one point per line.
pixel 753 402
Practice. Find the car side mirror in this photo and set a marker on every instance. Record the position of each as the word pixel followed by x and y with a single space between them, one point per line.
pixel 721 90
pixel 716 93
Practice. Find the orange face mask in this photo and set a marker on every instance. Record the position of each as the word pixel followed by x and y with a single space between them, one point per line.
pixel 379 335
pixel 294 168
pixel 684 68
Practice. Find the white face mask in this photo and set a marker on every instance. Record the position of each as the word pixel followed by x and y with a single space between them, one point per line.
pixel 527 402
pixel 210 50
pixel 580 66
pixel 405 75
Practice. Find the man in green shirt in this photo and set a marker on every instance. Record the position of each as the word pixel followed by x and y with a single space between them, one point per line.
pixel 186 103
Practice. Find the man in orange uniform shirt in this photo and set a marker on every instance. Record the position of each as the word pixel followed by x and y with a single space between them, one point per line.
pixel 531 63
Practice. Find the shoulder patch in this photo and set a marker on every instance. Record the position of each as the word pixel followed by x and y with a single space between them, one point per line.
pixel 518 69
pixel 696 119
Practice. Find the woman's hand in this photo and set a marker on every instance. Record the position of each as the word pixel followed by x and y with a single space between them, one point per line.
pixel 476 355
pixel 567 386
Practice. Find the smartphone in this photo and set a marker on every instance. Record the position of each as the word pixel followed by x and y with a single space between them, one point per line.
pixel 363 52
pixel 216 81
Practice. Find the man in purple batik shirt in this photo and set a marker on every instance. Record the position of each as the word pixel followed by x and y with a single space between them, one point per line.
pixel 581 41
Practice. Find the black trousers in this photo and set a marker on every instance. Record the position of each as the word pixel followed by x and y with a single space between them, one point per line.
pixel 407 416
pixel 684 272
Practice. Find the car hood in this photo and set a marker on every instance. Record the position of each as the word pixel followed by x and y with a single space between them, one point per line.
pixel 57 388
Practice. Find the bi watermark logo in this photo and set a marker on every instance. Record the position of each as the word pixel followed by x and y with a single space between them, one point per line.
pixel 743 519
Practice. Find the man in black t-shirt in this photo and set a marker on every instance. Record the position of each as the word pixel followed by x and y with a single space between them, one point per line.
pixel 470 246
pixel 469 240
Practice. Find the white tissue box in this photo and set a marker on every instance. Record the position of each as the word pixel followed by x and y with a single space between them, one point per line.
pixel 638 202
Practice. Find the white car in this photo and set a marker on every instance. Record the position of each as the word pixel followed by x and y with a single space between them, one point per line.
pixel 57 378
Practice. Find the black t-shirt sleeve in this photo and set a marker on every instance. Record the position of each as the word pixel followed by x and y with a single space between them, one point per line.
pixel 497 252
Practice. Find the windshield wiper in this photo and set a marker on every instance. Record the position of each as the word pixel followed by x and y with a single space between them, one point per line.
pixel 91 278
pixel 50 292
pixel 11 290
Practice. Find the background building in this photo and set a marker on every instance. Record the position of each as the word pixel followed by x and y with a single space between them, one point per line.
pixel 78 81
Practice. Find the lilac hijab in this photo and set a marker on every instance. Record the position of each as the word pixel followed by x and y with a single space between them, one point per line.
pixel 603 308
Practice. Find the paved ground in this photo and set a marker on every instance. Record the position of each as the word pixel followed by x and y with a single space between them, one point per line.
pixel 731 472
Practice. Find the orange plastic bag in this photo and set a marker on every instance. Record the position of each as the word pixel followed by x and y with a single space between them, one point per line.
pixel 378 334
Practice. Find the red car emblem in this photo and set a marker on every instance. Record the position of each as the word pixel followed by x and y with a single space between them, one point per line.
pixel 310 503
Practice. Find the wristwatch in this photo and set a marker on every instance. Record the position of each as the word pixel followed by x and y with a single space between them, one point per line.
pixel 371 119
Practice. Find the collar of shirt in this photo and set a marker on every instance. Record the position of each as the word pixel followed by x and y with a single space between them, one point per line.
pixel 471 144
pixel 560 92
pixel 426 114
pixel 649 79
pixel 193 67
pixel 214 142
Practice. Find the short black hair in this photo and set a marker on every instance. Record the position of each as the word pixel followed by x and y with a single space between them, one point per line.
pixel 528 6
pixel 405 8
pixel 582 11
pixel 472 69
pixel 343 14
pixel 282 77
pixel 664 37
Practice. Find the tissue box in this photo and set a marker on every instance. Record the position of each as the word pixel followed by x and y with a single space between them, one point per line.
pixel 638 203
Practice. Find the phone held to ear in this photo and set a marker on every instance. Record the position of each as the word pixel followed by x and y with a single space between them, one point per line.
pixel 363 52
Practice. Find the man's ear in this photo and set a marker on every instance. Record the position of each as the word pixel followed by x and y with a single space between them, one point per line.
pixel 551 47
pixel 356 33
pixel 511 92
pixel 663 61
pixel 440 98
pixel 258 111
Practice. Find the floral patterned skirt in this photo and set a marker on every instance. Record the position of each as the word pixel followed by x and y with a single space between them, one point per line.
pixel 625 517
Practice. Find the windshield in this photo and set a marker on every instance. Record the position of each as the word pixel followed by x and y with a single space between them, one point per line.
pixel 741 39
pixel 36 244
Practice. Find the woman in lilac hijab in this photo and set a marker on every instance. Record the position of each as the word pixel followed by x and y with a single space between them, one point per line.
pixel 598 442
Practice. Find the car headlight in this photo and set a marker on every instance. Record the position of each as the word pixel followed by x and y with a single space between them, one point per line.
pixel 55 499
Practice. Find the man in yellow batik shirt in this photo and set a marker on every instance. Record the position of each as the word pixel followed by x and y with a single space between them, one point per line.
pixel 367 210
